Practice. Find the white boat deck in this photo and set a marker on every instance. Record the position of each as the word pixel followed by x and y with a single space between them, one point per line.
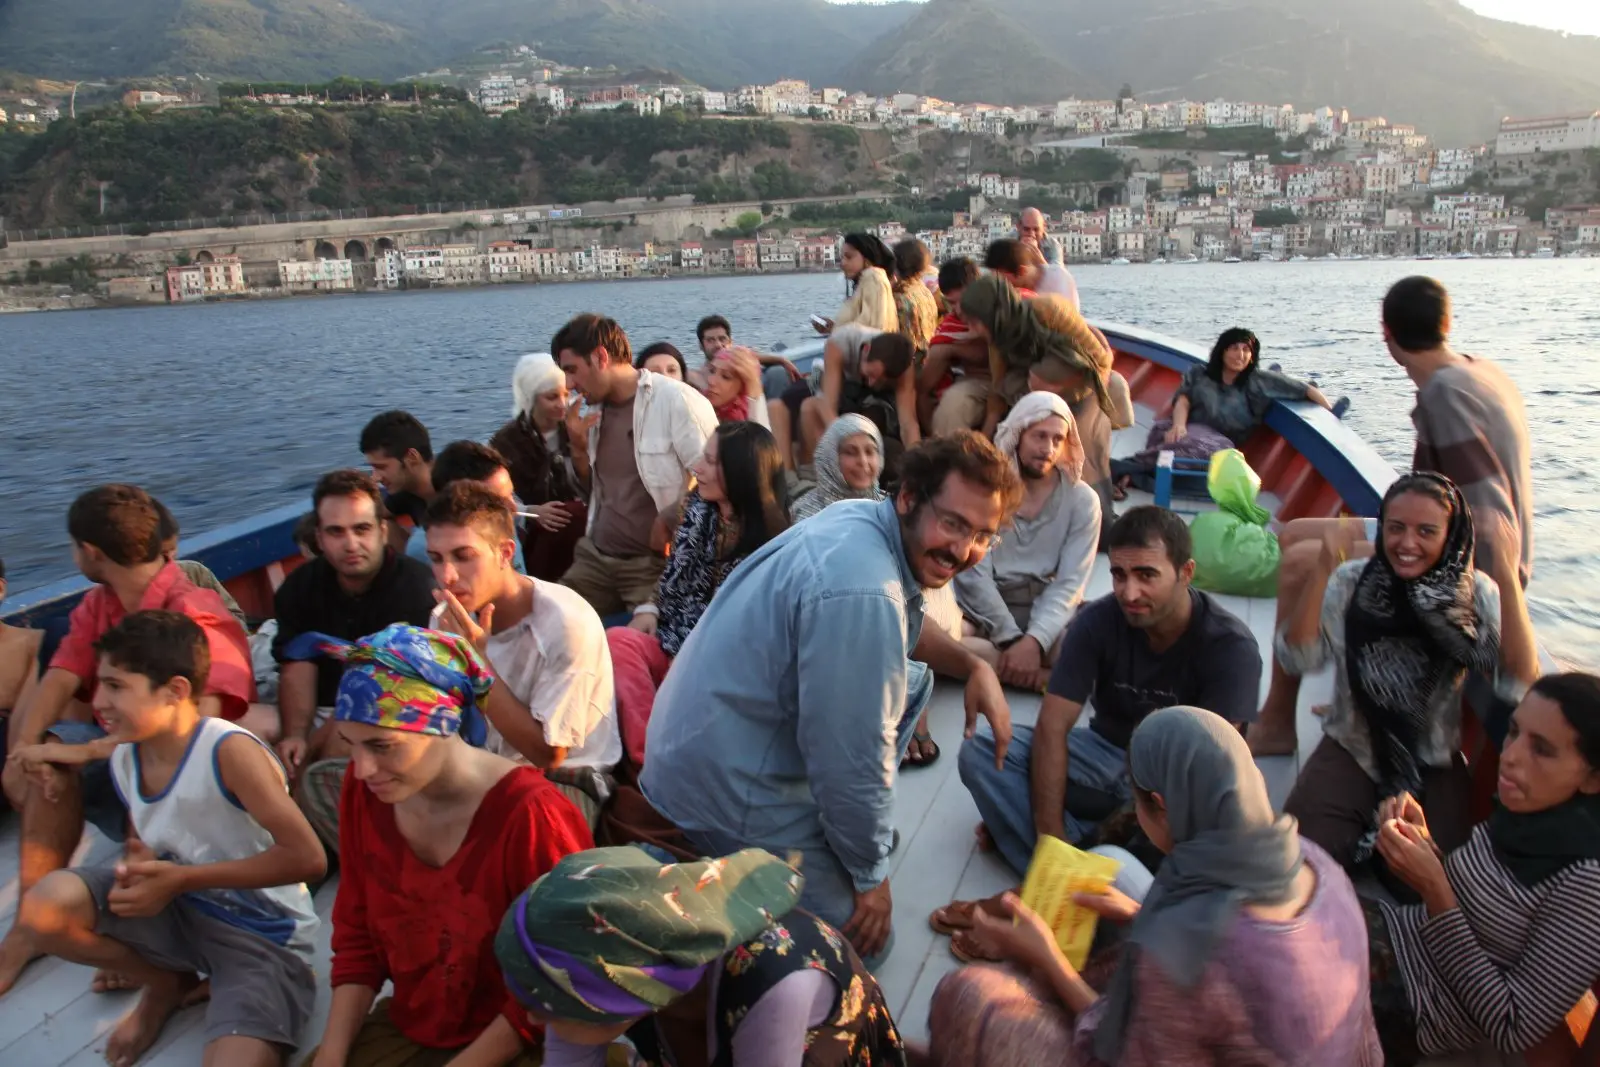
pixel 51 1019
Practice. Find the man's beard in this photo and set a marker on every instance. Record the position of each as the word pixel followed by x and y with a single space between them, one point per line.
pixel 1031 472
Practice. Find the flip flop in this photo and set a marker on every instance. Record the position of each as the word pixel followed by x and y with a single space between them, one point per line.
pixel 920 743
pixel 966 947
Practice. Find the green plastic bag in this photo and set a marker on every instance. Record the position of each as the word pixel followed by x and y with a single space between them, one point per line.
pixel 1234 552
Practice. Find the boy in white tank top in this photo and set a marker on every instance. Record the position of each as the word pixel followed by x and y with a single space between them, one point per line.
pixel 214 877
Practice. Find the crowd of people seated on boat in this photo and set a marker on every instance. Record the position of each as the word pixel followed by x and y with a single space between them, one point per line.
pixel 460 729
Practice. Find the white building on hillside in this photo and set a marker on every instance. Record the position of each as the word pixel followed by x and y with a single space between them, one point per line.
pixel 1554 133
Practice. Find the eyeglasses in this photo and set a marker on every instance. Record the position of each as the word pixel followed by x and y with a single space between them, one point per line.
pixel 954 526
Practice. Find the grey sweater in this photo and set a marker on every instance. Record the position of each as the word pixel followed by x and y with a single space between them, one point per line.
pixel 1030 583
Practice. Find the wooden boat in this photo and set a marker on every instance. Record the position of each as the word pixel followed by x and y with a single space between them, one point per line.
pixel 1310 464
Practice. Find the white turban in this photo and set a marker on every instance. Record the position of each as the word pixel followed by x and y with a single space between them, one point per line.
pixel 1028 413
pixel 536 374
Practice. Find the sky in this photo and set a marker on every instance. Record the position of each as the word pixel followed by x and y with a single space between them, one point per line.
pixel 1574 16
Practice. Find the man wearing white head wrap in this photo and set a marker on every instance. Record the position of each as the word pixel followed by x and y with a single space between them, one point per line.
pixel 1017 602
pixel 536 450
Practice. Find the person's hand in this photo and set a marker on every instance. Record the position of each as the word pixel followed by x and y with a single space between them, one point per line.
pixel 144 884
pixel 1406 809
pixel 476 630
pixel 1111 904
pixel 1411 856
pixel 1021 663
pixel 871 922
pixel 747 365
pixel 645 622
pixel 1017 934
pixel 551 517
pixel 1176 433
pixel 794 372
pixel 292 751
pixel 578 426
pixel 23 772
pixel 985 697
pixel 1339 539
pixel 825 327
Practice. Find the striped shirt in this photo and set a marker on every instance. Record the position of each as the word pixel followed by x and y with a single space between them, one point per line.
pixel 1505 965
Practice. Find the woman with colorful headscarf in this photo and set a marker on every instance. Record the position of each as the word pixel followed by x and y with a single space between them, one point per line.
pixel 539 457
pixel 1248 948
pixel 695 963
pixel 438 837
pixel 1402 629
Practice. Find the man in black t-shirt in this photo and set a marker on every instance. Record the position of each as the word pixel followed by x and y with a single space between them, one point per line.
pixel 356 587
pixel 1154 643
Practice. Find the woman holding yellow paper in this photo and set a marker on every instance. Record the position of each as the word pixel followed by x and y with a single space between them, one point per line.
pixel 1249 948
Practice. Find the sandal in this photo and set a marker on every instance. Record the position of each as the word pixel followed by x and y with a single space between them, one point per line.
pixel 966 947
pixel 917 755
pixel 956 916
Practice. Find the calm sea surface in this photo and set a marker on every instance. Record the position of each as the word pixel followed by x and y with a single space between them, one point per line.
pixel 228 410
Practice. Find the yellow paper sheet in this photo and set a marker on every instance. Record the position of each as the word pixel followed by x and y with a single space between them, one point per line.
pixel 1057 871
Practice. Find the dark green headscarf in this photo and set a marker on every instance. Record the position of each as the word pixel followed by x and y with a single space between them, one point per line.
pixel 1018 335
pixel 612 934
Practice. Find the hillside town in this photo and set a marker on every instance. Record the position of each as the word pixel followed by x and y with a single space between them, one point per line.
pixel 1332 186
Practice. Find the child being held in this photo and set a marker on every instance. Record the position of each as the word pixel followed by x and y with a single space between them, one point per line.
pixel 213 880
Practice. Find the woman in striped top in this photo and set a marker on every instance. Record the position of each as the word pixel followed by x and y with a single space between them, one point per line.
pixel 1507 937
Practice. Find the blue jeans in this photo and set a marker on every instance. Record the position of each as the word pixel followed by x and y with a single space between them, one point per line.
pixel 102 804
pixel 774 380
pixel 830 892
pixel 1097 785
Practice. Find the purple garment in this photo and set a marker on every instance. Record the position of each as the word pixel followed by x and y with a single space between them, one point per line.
pixel 1294 993
pixel 1201 442
pixel 773 1034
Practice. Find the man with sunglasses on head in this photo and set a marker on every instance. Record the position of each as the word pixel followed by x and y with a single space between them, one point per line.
pixel 790 706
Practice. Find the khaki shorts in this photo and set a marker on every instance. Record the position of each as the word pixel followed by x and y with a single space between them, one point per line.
pixel 613 584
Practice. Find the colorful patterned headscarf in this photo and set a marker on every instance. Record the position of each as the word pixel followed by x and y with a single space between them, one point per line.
pixel 407 678
pixel 611 934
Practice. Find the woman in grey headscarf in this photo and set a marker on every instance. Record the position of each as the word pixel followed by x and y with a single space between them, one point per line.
pixel 848 459
pixel 1249 948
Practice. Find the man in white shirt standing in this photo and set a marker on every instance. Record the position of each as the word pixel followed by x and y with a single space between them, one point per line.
pixel 633 456
pixel 553 704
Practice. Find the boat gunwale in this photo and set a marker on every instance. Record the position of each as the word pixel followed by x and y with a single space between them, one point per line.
pixel 1339 456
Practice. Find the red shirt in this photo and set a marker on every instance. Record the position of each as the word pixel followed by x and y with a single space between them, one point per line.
pixel 952 329
pixel 431 930
pixel 231 680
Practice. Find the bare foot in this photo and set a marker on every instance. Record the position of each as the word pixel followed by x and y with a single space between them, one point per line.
pixel 985 840
pixel 1267 738
pixel 16 952
pixel 139 1029
pixel 111 982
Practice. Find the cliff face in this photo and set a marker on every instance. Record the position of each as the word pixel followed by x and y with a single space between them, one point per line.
pixel 244 160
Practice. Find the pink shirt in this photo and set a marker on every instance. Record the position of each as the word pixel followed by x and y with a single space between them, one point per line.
pixel 230 680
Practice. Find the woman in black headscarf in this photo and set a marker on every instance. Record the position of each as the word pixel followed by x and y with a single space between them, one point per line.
pixel 1402 629
pixel 1507 937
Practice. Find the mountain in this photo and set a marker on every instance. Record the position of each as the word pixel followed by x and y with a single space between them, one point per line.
pixel 1431 62
pixel 718 43
pixel 963 50
pixel 288 40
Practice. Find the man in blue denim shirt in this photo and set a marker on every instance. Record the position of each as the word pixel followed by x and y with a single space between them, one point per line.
pixel 784 718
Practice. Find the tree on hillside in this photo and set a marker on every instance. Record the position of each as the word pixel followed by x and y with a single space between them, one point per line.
pixel 748 222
